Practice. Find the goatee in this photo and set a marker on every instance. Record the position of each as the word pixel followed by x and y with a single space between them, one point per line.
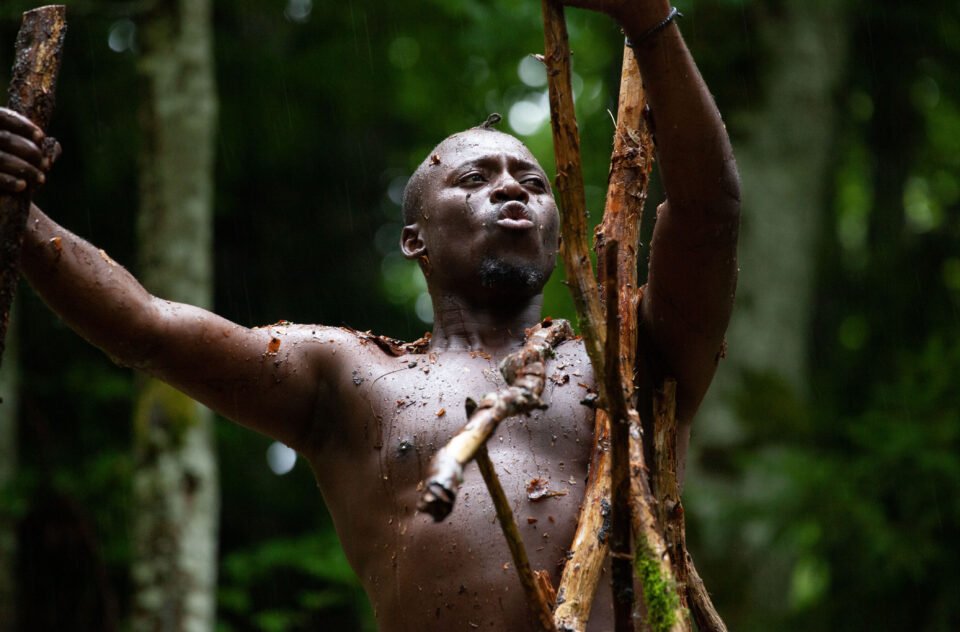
pixel 499 274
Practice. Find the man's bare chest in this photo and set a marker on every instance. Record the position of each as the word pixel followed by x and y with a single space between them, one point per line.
pixel 414 405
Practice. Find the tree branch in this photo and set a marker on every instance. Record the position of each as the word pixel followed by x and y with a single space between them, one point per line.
pixel 566 148
pixel 32 93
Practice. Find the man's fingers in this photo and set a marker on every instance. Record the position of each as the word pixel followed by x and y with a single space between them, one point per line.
pixel 21 147
pixel 20 169
pixel 9 184
pixel 20 124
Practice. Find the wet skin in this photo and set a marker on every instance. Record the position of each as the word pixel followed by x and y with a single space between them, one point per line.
pixel 485 235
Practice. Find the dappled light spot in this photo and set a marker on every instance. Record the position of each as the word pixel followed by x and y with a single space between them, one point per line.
pixel 532 72
pixel 280 458
pixel 122 36
pixel 298 10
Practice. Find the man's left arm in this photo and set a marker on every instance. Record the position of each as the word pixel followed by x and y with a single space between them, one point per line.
pixel 693 260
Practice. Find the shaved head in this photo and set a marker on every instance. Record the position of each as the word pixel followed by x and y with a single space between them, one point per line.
pixel 451 145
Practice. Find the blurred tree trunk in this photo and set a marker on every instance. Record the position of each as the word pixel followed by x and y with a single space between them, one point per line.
pixel 782 150
pixel 9 409
pixel 783 147
pixel 175 484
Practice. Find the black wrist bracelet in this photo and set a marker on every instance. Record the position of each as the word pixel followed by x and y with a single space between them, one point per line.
pixel 673 15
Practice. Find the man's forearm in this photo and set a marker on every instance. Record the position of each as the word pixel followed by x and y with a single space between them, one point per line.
pixel 693 150
pixel 91 292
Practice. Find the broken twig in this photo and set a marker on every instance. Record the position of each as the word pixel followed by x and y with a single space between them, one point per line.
pixel 525 374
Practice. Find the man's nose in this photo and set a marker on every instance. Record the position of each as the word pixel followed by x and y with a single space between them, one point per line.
pixel 508 190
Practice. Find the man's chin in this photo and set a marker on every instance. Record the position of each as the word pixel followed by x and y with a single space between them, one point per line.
pixel 511 276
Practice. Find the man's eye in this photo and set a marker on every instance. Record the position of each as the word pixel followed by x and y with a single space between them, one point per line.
pixel 535 182
pixel 472 178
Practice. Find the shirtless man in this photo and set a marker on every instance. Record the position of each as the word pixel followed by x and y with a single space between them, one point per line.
pixel 482 222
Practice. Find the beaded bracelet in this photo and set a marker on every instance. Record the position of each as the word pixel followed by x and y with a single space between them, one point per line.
pixel 673 15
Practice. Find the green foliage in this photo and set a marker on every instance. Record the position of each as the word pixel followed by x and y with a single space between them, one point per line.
pixel 310 575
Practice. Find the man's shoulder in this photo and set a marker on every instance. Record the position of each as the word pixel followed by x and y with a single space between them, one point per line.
pixel 345 344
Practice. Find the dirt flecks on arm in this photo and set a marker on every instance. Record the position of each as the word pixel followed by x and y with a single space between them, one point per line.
pixel 273 346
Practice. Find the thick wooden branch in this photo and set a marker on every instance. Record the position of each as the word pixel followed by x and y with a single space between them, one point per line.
pixel 569 181
pixel 32 93
pixel 630 167
pixel 532 582
pixel 524 372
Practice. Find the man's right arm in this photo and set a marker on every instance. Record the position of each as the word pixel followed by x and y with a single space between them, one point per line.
pixel 272 379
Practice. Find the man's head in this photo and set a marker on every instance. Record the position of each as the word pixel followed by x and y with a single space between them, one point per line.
pixel 480 217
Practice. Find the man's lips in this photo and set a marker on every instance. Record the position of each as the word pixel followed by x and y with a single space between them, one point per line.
pixel 514 216
pixel 515 224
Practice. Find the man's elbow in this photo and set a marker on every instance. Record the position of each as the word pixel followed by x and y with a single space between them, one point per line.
pixel 139 343
pixel 727 193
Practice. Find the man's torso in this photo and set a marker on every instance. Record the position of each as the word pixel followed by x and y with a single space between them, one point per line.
pixel 390 417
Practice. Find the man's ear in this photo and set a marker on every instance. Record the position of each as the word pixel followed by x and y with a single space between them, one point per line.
pixel 411 242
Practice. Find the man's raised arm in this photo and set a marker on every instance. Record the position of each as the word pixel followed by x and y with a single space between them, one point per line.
pixel 269 379
pixel 693 263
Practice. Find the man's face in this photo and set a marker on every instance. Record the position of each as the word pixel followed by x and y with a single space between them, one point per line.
pixel 488 219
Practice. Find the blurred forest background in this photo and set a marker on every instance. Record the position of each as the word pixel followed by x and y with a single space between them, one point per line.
pixel 824 487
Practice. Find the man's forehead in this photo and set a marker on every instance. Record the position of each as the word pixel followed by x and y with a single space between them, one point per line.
pixel 474 144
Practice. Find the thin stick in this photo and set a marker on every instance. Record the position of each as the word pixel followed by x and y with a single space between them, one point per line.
pixel 621 566
pixel 531 582
pixel 32 93
pixel 525 374
pixel 566 148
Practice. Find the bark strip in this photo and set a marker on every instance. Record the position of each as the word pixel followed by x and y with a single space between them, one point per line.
pixel 525 374
pixel 32 93
pixel 536 585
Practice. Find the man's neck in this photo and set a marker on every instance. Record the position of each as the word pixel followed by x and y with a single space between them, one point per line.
pixel 461 326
